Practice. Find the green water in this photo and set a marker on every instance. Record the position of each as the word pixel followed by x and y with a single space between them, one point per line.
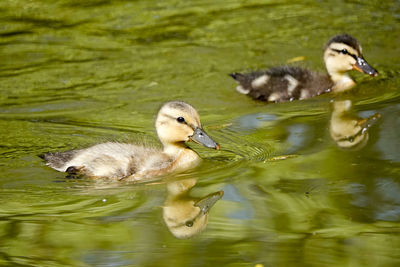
pixel 75 73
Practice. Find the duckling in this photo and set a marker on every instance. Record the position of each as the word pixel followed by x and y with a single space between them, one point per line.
pixel 177 122
pixel 286 83
pixel 184 215
pixel 348 131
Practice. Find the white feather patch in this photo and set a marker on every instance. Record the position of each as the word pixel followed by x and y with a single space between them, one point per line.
pixel 260 81
pixel 304 94
pixel 292 83
pixel 273 97
pixel 241 90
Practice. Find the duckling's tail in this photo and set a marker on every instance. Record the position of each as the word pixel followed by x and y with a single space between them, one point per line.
pixel 237 76
pixel 57 160
pixel 243 81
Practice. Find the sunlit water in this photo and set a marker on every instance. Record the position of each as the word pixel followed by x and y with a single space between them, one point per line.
pixel 75 73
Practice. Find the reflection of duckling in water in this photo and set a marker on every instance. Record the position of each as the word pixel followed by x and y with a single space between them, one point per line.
pixel 349 131
pixel 176 123
pixel 286 83
pixel 184 215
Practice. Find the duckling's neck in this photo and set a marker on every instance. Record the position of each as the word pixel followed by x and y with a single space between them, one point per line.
pixel 341 81
pixel 180 188
pixel 184 157
pixel 175 148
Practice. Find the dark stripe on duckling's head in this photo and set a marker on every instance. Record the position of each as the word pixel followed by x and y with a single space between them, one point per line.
pixel 345 52
pixel 179 105
pixel 345 39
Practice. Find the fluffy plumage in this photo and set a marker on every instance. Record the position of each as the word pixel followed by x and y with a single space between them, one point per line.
pixel 283 83
pixel 177 122
pixel 286 83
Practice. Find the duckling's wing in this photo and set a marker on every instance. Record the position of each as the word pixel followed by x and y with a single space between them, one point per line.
pixel 108 159
pixel 284 83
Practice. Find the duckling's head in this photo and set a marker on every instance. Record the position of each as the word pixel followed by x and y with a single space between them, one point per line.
pixel 343 53
pixel 179 122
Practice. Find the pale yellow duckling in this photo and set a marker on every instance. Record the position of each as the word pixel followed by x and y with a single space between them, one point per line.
pixel 349 131
pixel 184 215
pixel 177 122
pixel 286 83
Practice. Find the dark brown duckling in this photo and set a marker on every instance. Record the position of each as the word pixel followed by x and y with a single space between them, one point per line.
pixel 286 83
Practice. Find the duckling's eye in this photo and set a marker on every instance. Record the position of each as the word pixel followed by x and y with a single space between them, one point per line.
pixel 189 223
pixel 344 51
pixel 180 119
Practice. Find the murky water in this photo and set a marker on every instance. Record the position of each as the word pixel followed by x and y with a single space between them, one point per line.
pixel 75 73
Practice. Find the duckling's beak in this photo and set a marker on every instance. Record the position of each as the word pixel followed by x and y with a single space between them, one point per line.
pixel 206 203
pixel 200 137
pixel 362 66
pixel 368 122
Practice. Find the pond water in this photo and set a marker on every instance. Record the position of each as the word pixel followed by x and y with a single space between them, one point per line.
pixel 76 73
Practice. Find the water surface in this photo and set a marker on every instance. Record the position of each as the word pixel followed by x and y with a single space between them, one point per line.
pixel 77 73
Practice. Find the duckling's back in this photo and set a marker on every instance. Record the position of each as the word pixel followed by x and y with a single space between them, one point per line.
pixel 280 84
pixel 108 160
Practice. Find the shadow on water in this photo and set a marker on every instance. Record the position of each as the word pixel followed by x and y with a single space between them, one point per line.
pixel 347 131
pixel 306 183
